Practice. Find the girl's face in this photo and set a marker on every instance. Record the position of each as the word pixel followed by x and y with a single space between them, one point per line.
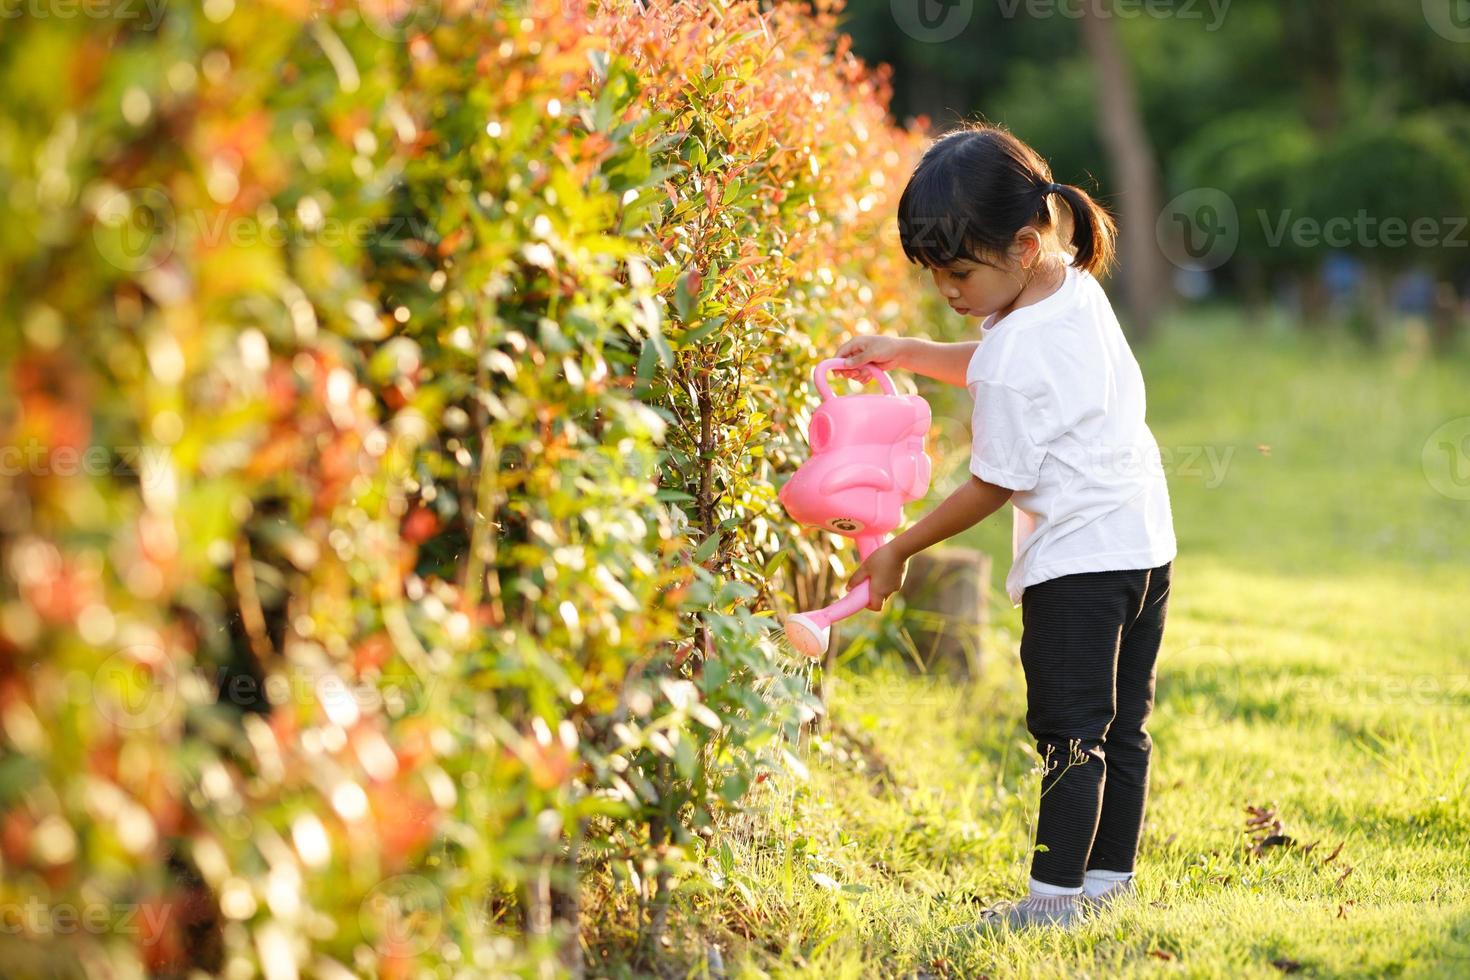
pixel 981 288
pixel 977 288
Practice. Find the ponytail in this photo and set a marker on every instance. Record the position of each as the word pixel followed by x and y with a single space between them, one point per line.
pixel 1094 233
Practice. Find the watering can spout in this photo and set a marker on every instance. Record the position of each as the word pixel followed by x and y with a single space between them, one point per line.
pixel 810 633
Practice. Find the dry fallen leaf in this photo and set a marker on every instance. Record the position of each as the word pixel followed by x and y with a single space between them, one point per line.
pixel 1261 817
pixel 1274 840
pixel 1264 825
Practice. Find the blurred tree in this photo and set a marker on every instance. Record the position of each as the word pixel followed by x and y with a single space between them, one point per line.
pixel 1294 75
pixel 1453 292
pixel 957 67
pixel 1121 126
pixel 1312 38
pixel 1395 196
pixel 1258 159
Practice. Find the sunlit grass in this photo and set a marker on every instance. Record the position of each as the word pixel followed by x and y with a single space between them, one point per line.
pixel 1316 663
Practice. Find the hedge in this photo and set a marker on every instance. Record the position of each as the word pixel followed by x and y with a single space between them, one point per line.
pixel 395 405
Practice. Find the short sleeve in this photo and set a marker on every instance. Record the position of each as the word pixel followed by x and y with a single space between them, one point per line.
pixel 1008 436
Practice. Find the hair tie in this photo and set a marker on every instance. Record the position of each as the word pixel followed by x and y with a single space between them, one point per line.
pixel 1052 189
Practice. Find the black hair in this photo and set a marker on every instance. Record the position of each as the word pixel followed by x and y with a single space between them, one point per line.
pixel 977 186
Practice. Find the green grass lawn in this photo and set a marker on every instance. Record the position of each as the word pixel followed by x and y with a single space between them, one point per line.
pixel 1316 663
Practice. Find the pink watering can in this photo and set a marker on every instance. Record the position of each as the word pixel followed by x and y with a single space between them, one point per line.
pixel 867 461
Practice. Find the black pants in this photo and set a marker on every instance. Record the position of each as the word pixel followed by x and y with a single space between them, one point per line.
pixel 1088 646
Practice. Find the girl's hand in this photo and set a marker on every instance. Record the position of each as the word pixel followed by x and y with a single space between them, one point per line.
pixel 884 570
pixel 884 353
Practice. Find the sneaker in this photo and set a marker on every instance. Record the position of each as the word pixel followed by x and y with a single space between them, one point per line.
pixel 1092 905
pixel 1034 911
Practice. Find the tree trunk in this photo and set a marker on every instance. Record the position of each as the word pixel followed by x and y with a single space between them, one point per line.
pixel 1256 291
pixel 1141 263
pixel 1372 313
pixel 1446 321
pixel 1315 305
pixel 1313 43
pixel 946 611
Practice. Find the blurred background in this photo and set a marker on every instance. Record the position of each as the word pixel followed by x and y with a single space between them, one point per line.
pixel 1310 157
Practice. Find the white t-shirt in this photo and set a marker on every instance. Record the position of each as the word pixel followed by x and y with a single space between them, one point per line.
pixel 1059 419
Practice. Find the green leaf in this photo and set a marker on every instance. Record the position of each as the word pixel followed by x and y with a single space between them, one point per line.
pixel 727 858
pixel 715 675
pixel 693 151
pixel 735 591
pixel 646 358
pixel 685 758
pixel 692 337
pixel 707 548
pixel 661 345
pixel 683 299
pixel 743 565
pixel 731 790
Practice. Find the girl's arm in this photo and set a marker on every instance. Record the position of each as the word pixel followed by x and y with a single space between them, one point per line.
pixel 974 501
pixel 970 504
pixel 942 362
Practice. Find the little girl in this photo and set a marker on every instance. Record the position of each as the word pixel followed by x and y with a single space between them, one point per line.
pixel 1058 430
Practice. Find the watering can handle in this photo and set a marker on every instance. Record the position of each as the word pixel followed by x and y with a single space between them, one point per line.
pixel 820 376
